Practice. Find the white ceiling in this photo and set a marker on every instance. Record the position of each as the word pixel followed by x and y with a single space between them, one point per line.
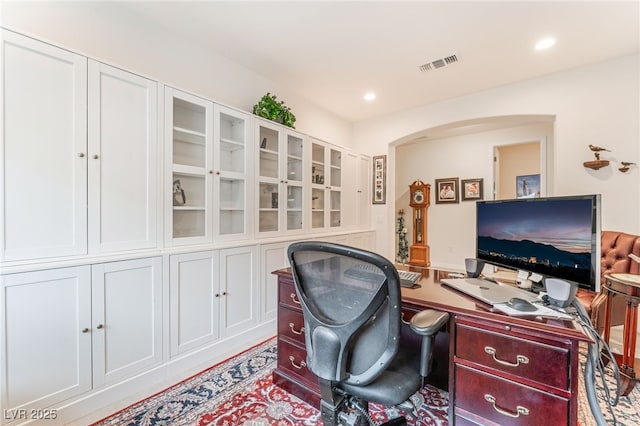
pixel 332 52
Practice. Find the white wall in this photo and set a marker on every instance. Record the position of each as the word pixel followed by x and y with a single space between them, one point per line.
pixel 451 227
pixel 597 104
pixel 119 37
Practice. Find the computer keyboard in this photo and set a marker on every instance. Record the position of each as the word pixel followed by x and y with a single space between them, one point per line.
pixel 372 273
pixel 409 278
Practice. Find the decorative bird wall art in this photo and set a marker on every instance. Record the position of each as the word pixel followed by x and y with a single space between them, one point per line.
pixel 597 163
pixel 625 166
pixel 596 150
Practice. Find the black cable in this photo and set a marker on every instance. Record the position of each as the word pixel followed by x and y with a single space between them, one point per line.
pixel 594 364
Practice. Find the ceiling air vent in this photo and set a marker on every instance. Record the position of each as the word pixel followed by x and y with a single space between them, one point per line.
pixel 438 63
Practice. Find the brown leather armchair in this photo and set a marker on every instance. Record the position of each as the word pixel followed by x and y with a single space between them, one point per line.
pixel 615 249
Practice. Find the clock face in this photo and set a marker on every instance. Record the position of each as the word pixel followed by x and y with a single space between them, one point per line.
pixel 418 196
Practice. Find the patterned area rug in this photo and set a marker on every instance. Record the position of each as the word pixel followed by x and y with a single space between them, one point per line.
pixel 240 392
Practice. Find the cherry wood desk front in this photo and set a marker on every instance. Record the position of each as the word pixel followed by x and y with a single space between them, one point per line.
pixel 498 369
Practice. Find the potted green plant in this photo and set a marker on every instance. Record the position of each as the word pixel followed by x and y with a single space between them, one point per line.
pixel 270 108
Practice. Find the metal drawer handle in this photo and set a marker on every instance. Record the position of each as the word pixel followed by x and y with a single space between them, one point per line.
pixel 294 298
pixel 519 409
pixel 520 359
pixel 294 331
pixel 403 320
pixel 299 367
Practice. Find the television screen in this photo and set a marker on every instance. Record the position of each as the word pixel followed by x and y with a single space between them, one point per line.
pixel 554 236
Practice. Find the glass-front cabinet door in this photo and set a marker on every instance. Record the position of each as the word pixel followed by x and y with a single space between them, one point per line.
pixel 326 186
pixel 280 179
pixel 189 130
pixel 335 188
pixel 268 177
pixel 230 172
pixel 293 182
pixel 318 188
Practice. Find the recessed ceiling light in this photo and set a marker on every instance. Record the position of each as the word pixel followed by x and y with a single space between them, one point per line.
pixel 369 96
pixel 545 43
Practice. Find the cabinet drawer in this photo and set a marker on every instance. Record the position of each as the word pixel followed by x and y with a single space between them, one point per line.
pixel 505 402
pixel 287 295
pixel 294 360
pixel 291 324
pixel 523 358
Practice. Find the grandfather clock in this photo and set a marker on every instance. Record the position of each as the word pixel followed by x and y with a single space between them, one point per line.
pixel 420 194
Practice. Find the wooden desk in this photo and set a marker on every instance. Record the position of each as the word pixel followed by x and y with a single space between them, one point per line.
pixel 628 287
pixel 498 369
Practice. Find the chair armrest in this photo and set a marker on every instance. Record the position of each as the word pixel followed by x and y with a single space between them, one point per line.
pixel 428 322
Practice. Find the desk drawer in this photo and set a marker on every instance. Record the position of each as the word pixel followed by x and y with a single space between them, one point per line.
pixel 498 400
pixel 287 295
pixel 291 324
pixel 520 357
pixel 294 360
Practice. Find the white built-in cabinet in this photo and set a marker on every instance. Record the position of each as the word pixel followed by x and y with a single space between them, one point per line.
pixel 212 295
pixel 122 160
pixel 356 205
pixel 272 257
pixel 326 186
pixel 208 171
pixel 280 183
pixel 106 174
pixel 77 133
pixel 44 148
pixel 71 329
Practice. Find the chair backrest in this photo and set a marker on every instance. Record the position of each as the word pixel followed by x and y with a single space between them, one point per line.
pixel 615 248
pixel 351 304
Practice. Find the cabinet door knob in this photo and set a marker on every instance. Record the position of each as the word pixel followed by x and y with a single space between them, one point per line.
pixel 224 293
pixel 210 172
pixel 218 172
pixel 81 154
pixel 217 294
pixel 85 330
pixel 95 156
pixel 100 326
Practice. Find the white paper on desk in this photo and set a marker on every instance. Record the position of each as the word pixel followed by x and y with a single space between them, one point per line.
pixel 541 311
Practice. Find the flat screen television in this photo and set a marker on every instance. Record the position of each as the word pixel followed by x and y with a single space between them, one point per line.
pixel 556 237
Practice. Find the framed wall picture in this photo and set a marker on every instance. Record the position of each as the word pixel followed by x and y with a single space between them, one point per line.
pixel 471 189
pixel 379 179
pixel 528 186
pixel 447 191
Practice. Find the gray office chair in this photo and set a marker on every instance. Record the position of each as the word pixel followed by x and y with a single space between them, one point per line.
pixel 352 308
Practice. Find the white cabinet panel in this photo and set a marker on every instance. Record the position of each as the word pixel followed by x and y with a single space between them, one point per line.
pixel 237 277
pixel 195 296
pixel 272 258
pixel 45 353
pixel 127 318
pixel 363 191
pixel 44 128
pixel 122 160
pixel 66 331
pixel 212 295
